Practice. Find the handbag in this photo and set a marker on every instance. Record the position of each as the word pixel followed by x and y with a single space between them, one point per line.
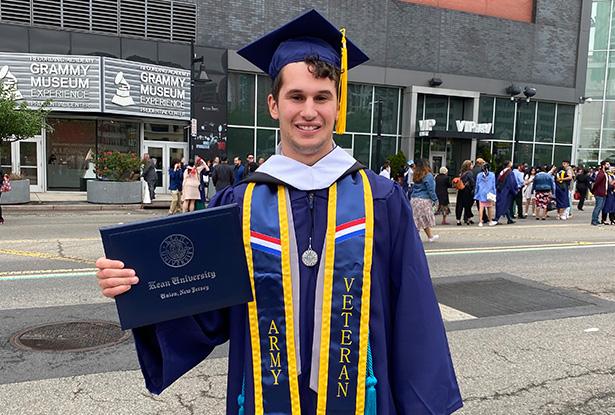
pixel 492 197
pixel 458 183
pixel 6 186
pixel 577 196
pixel 551 206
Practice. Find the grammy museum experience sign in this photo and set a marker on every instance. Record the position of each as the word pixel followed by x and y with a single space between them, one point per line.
pixel 93 84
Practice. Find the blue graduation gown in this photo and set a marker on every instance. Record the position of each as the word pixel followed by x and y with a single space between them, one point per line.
pixel 562 199
pixel 411 356
pixel 505 195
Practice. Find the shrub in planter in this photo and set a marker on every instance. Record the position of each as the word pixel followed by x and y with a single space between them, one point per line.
pixel 20 190
pixel 116 166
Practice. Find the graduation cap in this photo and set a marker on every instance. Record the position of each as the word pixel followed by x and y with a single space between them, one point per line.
pixel 308 36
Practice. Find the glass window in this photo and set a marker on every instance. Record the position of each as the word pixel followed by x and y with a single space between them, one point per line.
pixel 241 98
pixel 264 89
pixel 436 108
pixel 6 164
pixel 361 149
pixel 504 117
pixel 502 151
pixel 565 124
pixel 390 99
pixel 359 110
pixel 118 136
pixel 95 45
pixel 68 145
pixel 610 77
pixel 607 155
pixel 587 157
pixel 387 149
pixel 591 114
pixel 590 138
pixel 562 153
pixel 438 144
pixel 14 38
pixel 542 154
pixel 140 50
pixel 485 109
pixel 545 122
pixel 239 142
pixel 483 150
pixel 523 153
pixel 608 138
pixel 596 66
pixel 425 148
pixel 599 27
pixel 176 55
pixel 456 112
pixel 525 121
pixel 265 143
pixel 49 41
pixel 420 102
pixel 609 115
pixel 344 140
pixel 164 132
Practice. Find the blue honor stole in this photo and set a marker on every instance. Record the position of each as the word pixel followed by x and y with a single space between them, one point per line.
pixel 346 284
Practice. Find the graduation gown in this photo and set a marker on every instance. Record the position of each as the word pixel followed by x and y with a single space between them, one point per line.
pixel 411 358
pixel 506 193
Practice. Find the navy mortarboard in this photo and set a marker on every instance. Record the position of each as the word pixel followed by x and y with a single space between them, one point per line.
pixel 307 36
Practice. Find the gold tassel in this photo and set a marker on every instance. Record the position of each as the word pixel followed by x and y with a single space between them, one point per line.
pixel 340 127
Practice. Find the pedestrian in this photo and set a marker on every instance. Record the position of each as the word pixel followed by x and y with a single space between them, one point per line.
pixel 582 186
pixel 223 175
pixel 506 186
pixel 562 196
pixel 5 187
pixel 544 186
pixel 608 211
pixel 238 170
pixel 443 182
pixel 465 185
pixel 251 165
pixel 519 172
pixel 599 190
pixel 261 161
pixel 529 197
pixel 385 170
pixel 190 186
pixel 399 340
pixel 150 175
pixel 476 170
pixel 204 183
pixel 423 199
pixel 176 177
pixel 485 194
pixel 409 177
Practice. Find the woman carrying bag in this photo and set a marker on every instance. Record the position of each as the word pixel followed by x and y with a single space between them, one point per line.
pixel 5 187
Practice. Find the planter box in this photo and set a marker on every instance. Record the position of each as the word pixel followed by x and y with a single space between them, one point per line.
pixel 20 193
pixel 107 192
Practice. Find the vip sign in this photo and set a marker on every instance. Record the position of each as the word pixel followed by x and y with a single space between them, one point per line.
pixel 425 126
pixel 473 127
pixel 142 89
pixel 68 83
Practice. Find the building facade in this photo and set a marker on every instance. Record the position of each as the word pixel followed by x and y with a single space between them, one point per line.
pixel 445 81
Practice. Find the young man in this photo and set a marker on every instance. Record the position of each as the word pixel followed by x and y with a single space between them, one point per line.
pixel 599 189
pixel 238 169
pixel 345 319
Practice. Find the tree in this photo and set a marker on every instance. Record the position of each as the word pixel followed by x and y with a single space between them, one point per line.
pixel 17 121
pixel 398 164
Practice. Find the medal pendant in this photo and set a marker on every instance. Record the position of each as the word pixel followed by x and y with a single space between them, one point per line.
pixel 309 257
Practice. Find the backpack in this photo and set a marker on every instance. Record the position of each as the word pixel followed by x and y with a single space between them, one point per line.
pixel 458 183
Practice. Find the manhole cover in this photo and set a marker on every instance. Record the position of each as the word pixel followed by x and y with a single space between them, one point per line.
pixel 70 336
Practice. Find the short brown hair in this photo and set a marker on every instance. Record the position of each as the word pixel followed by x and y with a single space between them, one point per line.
pixel 318 68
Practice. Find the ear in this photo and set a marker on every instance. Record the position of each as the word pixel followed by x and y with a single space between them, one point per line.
pixel 273 107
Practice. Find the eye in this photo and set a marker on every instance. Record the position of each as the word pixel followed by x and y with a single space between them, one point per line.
pixel 321 98
pixel 296 97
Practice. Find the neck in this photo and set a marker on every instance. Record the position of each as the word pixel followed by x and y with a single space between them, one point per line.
pixel 307 159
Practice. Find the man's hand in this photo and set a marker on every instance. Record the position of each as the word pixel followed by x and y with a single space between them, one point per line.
pixel 113 278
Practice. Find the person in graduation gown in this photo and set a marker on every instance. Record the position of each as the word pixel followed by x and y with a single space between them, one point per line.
pixel 409 364
pixel 506 186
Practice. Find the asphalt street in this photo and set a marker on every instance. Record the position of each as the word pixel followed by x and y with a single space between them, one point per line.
pixel 529 310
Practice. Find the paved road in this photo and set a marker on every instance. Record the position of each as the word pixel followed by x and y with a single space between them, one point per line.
pixel 550 364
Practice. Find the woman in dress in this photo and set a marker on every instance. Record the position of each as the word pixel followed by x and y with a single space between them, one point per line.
pixel 544 186
pixel 423 198
pixel 190 187
pixel 529 197
pixel 465 198
pixel 443 182
pixel 485 193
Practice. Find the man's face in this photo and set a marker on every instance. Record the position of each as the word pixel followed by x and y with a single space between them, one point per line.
pixel 565 164
pixel 236 161
pixel 250 158
pixel 306 109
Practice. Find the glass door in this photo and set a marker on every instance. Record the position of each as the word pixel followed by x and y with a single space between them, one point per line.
pixel 437 160
pixel 24 157
pixel 165 153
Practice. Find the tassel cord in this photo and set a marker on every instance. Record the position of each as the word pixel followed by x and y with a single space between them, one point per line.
pixel 371 381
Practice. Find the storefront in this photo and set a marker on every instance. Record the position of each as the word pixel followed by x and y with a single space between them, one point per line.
pixel 97 104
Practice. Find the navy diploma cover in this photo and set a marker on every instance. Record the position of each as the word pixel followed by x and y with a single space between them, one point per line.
pixel 186 264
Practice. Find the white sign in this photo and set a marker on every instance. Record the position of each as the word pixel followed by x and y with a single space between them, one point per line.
pixel 70 82
pixel 193 127
pixel 143 89
pixel 425 126
pixel 473 127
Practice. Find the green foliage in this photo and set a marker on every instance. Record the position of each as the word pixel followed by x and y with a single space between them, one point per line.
pixel 116 166
pixel 398 164
pixel 17 121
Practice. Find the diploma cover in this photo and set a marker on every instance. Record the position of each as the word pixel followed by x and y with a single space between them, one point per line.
pixel 187 264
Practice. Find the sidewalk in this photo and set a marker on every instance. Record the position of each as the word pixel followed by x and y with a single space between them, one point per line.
pixel 77 201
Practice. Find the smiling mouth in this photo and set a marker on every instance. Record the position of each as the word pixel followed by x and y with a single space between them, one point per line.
pixel 307 127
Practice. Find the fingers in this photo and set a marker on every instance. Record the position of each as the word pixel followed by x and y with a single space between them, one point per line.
pixel 113 278
pixel 103 262
pixel 115 291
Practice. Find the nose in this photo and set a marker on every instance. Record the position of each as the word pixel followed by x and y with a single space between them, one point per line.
pixel 309 109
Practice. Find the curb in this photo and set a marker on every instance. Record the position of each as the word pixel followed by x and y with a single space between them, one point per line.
pixel 81 207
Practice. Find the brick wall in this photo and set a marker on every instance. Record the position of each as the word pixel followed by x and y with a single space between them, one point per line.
pixel 521 10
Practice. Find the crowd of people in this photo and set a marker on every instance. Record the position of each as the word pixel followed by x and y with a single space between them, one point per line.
pixel 512 192
pixel 192 184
